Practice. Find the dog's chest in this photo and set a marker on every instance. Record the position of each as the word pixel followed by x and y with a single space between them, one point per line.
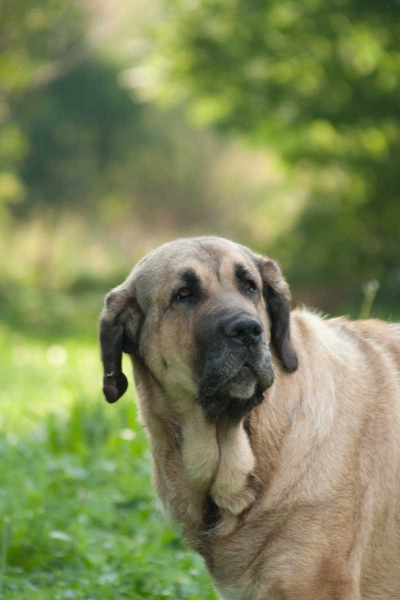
pixel 244 564
pixel 231 593
pixel 248 592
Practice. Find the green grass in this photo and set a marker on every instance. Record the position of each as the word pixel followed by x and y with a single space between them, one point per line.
pixel 78 517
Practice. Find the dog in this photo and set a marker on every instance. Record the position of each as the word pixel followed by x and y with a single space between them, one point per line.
pixel 275 435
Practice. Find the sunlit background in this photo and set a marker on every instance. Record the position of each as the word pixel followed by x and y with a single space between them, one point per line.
pixel 125 124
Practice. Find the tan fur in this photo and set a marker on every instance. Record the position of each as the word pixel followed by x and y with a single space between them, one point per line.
pixel 308 483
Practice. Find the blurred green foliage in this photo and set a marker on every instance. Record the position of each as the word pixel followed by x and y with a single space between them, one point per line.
pixel 86 150
pixel 314 86
pixel 39 44
pixel 319 81
pixel 83 160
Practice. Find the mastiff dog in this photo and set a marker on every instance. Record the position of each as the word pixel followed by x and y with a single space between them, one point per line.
pixel 275 435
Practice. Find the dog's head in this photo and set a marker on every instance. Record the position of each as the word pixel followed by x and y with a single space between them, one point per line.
pixel 202 315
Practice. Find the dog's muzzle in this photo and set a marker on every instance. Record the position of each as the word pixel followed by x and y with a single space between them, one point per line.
pixel 237 366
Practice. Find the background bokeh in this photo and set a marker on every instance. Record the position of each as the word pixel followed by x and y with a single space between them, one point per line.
pixel 126 124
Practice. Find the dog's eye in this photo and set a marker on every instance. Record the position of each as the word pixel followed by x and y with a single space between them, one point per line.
pixel 250 285
pixel 183 294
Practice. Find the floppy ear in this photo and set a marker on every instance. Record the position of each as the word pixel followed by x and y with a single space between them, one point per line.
pixel 277 299
pixel 119 327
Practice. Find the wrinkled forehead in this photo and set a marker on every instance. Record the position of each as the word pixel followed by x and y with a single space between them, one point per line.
pixel 209 258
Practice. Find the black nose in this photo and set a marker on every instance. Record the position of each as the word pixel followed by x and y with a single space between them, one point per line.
pixel 244 330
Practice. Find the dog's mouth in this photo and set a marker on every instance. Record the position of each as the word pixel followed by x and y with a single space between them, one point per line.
pixel 246 369
pixel 245 376
pixel 243 384
pixel 237 389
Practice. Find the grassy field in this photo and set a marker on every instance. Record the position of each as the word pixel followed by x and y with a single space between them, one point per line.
pixel 78 515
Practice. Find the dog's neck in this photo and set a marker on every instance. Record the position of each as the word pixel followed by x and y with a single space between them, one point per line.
pixel 199 467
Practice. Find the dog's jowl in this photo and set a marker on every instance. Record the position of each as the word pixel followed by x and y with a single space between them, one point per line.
pixel 275 435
